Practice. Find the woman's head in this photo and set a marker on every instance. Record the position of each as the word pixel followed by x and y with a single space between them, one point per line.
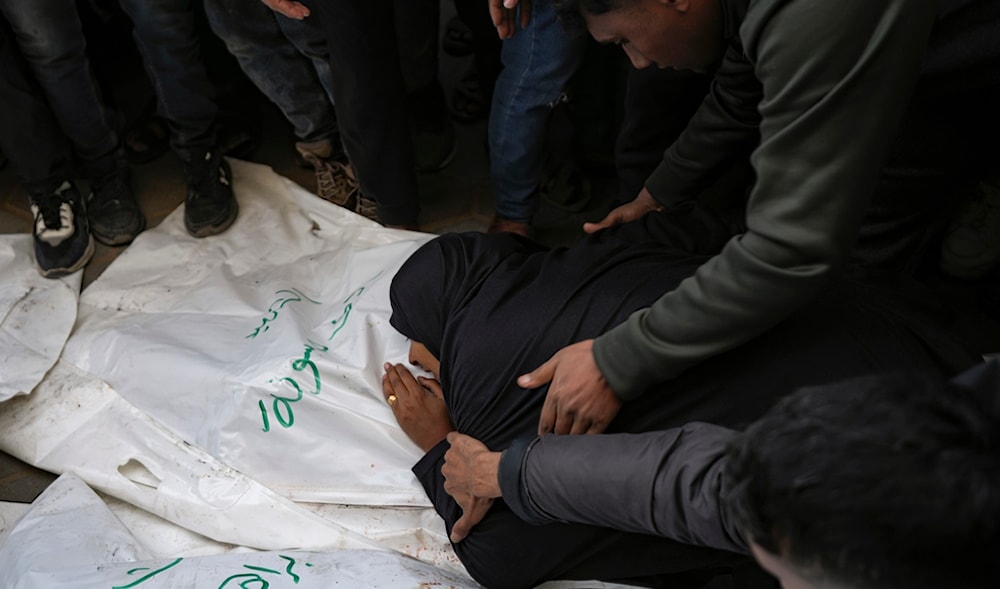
pixel 421 357
pixel 439 279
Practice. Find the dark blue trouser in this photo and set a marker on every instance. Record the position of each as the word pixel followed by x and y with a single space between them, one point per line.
pixel 52 105
pixel 164 31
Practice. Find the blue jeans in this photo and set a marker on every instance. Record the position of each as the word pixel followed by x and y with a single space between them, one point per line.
pixel 65 102
pixel 164 31
pixel 537 64
pixel 287 59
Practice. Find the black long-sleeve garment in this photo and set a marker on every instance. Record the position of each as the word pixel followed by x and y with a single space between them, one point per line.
pixel 670 487
pixel 492 307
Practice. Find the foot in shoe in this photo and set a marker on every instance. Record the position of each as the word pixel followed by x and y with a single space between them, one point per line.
pixel 113 213
pixel 63 243
pixel 210 207
pixel 334 180
pixel 367 208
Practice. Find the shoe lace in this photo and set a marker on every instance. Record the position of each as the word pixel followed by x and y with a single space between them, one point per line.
pixel 54 216
pixel 107 190
pixel 207 175
pixel 367 208
pixel 334 180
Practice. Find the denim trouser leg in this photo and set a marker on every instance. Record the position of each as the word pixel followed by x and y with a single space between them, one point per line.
pixel 371 102
pixel 165 34
pixel 51 40
pixel 537 64
pixel 29 135
pixel 270 52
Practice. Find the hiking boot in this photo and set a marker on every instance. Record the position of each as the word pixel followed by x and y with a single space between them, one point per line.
pixel 367 208
pixel 115 218
pixel 334 180
pixel 63 243
pixel 210 207
pixel 972 245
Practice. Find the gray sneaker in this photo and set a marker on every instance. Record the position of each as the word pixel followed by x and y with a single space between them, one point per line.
pixel 63 243
pixel 972 245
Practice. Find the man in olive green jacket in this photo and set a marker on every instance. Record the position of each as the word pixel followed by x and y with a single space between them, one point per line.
pixel 859 118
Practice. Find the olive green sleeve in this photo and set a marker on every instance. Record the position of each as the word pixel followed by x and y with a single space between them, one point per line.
pixel 836 77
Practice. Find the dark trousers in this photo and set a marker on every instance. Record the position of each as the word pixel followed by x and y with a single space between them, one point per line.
pixel 658 105
pixel 54 117
pixel 31 139
pixel 166 36
pixel 370 98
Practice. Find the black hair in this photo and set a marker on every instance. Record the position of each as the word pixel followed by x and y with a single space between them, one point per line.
pixel 886 482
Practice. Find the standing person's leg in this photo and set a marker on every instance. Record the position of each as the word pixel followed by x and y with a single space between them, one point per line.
pixel 658 105
pixel 371 104
pixel 51 40
pixel 288 61
pixel 165 33
pixel 255 35
pixel 431 128
pixel 486 58
pixel 537 63
pixel 40 155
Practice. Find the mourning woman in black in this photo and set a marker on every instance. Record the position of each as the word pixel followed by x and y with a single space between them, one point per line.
pixel 480 310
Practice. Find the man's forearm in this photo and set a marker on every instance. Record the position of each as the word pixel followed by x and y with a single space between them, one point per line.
pixel 662 483
pixel 723 130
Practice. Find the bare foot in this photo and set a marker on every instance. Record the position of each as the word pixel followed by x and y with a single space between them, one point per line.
pixel 418 406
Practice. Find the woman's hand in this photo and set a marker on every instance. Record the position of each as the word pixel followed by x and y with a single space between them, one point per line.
pixel 418 404
pixel 642 204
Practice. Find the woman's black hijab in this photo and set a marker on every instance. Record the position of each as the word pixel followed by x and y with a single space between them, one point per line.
pixel 493 307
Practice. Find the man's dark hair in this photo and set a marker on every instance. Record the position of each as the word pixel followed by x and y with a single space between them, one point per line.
pixel 881 482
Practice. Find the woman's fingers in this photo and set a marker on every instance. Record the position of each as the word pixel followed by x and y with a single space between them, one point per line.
pixel 432 386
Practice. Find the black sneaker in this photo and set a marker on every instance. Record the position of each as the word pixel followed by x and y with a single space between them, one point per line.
pixel 63 243
pixel 210 206
pixel 115 218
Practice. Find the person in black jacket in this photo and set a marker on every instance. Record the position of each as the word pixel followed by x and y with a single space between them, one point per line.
pixel 882 482
pixel 480 308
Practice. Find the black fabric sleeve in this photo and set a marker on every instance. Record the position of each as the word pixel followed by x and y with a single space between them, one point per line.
pixel 722 131
pixel 663 483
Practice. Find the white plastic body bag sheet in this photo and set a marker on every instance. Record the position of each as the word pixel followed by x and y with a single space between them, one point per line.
pixel 36 316
pixel 223 395
pixel 232 385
